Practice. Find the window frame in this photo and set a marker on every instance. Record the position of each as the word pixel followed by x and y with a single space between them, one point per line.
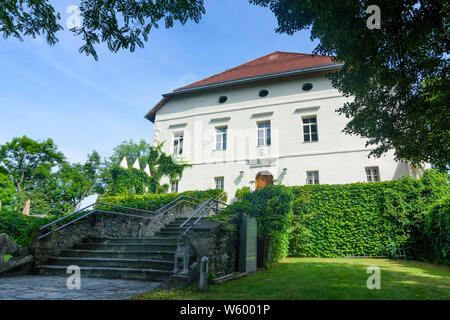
pixel 266 133
pixel 176 181
pixel 370 173
pixel 315 174
pixel 221 138
pixel 222 179
pixel 176 138
pixel 310 132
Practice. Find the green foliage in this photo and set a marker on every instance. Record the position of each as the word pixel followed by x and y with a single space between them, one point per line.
pixel 7 191
pixel 437 230
pixel 121 24
pixel 239 208
pixel 24 158
pixel 29 18
pixel 365 218
pixel 156 201
pixel 240 193
pixel 21 228
pixel 398 74
pixel 272 207
pixel 77 181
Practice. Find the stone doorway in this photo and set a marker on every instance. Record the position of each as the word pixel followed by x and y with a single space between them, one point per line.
pixel 263 179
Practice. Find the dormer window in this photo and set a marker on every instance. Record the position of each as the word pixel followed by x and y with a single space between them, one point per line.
pixel 223 99
pixel 263 93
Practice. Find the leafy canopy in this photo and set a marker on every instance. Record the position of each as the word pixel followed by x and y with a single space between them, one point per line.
pixel 23 158
pixel 398 75
pixel 121 24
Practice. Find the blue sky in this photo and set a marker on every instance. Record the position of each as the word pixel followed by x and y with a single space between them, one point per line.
pixel 84 105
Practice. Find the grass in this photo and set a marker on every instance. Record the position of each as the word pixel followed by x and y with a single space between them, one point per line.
pixel 325 278
pixel 7 256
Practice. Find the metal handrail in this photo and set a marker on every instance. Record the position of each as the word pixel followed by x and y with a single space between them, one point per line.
pixel 93 205
pixel 211 202
pixel 87 214
pixel 203 212
pixel 174 201
pixel 195 212
pixel 150 213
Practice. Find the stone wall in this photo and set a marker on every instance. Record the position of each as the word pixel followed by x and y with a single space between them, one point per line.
pixel 105 225
pixel 219 244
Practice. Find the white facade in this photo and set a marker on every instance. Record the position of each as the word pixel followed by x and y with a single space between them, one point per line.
pixel 338 158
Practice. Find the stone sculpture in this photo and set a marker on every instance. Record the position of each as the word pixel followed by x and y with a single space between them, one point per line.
pixel 185 251
pixel 7 246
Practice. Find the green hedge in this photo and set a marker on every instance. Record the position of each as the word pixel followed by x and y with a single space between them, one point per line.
pixel 365 218
pixel 437 230
pixel 21 228
pixel 272 207
pixel 156 201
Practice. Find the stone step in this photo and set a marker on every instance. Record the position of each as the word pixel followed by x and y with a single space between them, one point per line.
pixel 112 273
pixel 152 240
pixel 153 254
pixel 169 234
pixel 127 247
pixel 172 229
pixel 112 263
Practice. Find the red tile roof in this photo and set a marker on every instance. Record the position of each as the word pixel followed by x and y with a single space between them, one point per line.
pixel 272 63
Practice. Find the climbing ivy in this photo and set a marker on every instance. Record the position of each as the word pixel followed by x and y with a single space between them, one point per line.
pixel 131 181
pixel 365 218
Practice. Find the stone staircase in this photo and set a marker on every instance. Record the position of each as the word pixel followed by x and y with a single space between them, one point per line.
pixel 150 259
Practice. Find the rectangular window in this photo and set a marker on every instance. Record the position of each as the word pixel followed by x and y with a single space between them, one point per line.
pixel 174 186
pixel 373 174
pixel 310 129
pixel 178 143
pixel 312 177
pixel 221 138
pixel 264 133
pixel 219 182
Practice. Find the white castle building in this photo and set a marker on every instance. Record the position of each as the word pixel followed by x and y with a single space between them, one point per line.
pixel 269 121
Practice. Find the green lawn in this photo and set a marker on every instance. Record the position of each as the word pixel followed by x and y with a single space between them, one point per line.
pixel 323 278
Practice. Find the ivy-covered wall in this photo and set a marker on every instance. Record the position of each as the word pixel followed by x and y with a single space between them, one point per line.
pixel 372 219
pixel 368 218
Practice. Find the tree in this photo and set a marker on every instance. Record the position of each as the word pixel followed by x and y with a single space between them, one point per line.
pixel 398 75
pixel 23 158
pixel 121 24
pixel 79 180
pixel 7 190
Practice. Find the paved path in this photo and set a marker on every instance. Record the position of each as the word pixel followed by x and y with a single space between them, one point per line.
pixel 54 287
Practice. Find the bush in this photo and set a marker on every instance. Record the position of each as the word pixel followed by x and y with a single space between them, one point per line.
pixel 21 228
pixel 240 193
pixel 365 218
pixel 437 230
pixel 156 201
pixel 272 207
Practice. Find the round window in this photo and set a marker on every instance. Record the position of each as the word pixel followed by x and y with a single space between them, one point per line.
pixel 223 99
pixel 307 86
pixel 263 93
